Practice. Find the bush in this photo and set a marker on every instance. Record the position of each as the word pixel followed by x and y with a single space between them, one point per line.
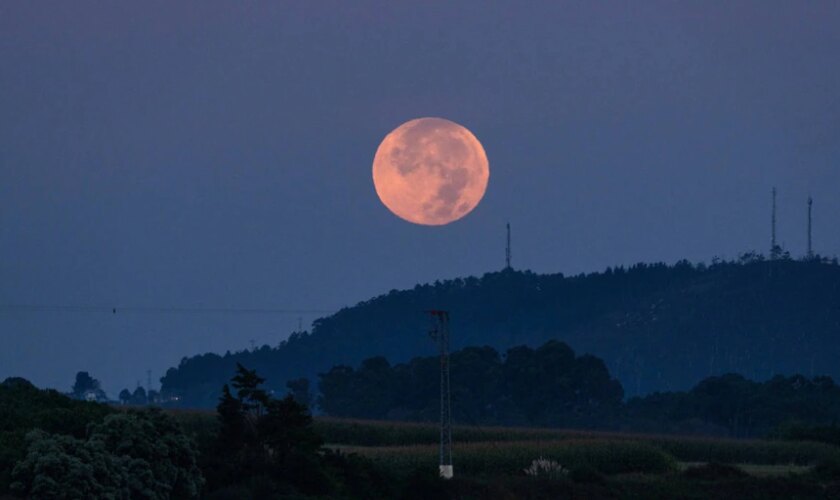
pixel 155 442
pixel 829 434
pixel 64 467
pixel 744 451
pixel 587 474
pixel 714 471
pixel 24 407
pixel 354 476
pixel 828 470
pixel 543 467
pixel 128 455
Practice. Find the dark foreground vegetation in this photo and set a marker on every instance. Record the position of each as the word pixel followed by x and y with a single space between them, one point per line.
pixel 54 447
pixel 258 446
pixel 657 327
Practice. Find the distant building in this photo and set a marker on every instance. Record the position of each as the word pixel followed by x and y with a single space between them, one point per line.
pixel 95 395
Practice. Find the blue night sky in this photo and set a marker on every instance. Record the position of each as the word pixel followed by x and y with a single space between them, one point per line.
pixel 218 154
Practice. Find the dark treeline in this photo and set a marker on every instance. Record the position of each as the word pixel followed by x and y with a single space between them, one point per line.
pixel 657 327
pixel 551 387
pixel 547 386
pixel 734 406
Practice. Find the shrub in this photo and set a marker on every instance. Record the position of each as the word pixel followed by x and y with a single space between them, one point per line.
pixel 714 471
pixel 587 474
pixel 543 467
pixel 128 455
pixel 828 470
pixel 57 466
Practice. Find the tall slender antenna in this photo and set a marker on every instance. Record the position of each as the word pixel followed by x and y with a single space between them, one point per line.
pixel 810 253
pixel 507 248
pixel 440 333
pixel 774 248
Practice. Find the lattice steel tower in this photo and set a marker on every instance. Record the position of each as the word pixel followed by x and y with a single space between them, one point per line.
pixel 440 334
pixel 810 253
pixel 775 251
pixel 507 248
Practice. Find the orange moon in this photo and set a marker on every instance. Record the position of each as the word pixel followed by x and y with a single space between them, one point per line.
pixel 430 171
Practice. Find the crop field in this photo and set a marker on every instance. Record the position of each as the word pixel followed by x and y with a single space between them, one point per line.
pixel 406 446
pixel 512 457
pixel 401 447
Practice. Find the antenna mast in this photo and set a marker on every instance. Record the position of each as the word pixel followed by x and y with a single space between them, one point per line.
pixel 774 248
pixel 810 253
pixel 507 249
pixel 440 333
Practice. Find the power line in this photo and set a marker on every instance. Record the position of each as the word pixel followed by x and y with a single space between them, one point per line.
pixel 156 309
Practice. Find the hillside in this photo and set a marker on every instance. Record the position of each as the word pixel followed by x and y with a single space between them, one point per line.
pixel 657 327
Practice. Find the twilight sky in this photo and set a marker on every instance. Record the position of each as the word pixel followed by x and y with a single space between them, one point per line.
pixel 218 154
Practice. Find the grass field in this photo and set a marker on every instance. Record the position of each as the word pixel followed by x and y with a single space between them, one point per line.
pixel 401 447
pixel 489 462
pixel 512 457
pixel 368 436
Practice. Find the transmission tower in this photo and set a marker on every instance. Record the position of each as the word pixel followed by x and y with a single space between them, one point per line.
pixel 440 334
pixel 775 251
pixel 810 253
pixel 507 249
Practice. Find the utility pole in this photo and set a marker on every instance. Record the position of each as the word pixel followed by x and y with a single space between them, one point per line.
pixel 440 334
pixel 810 253
pixel 507 249
pixel 148 381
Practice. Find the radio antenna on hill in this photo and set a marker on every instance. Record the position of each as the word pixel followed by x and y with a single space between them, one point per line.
pixel 507 249
pixel 774 248
pixel 810 253
pixel 440 334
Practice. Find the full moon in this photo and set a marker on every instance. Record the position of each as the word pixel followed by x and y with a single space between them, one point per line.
pixel 430 171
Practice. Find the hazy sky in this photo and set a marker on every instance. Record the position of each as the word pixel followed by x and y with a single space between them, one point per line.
pixel 218 154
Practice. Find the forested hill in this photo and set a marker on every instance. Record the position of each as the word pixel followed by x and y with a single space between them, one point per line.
pixel 657 327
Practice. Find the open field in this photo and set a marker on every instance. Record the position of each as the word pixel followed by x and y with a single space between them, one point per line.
pixel 403 446
pixel 757 470
pixel 511 457
pixel 367 436
pixel 489 462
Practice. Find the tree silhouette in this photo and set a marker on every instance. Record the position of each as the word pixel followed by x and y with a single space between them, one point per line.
pixel 264 439
pixel 86 384
pixel 299 390
pixel 138 397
